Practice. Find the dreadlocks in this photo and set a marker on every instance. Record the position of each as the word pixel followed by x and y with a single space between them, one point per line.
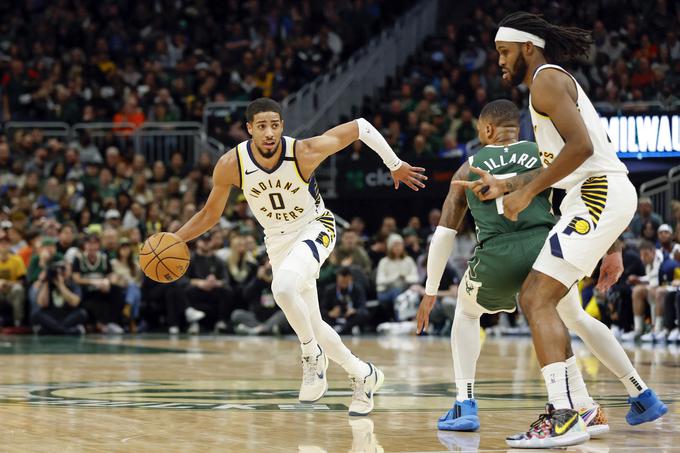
pixel 561 43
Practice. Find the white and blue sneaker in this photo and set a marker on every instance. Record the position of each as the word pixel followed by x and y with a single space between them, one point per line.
pixel 314 383
pixel 363 389
pixel 461 417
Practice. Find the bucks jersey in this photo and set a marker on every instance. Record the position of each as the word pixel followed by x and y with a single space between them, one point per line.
pixel 505 161
pixel 602 161
pixel 280 199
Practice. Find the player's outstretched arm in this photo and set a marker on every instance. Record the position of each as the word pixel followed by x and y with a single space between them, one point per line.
pixel 454 209
pixel 313 151
pixel 225 175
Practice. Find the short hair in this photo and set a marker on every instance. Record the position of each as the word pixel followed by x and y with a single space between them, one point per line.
pixel 501 113
pixel 646 245
pixel 262 105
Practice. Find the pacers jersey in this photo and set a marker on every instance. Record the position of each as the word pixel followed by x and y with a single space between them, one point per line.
pixel 505 161
pixel 550 142
pixel 280 199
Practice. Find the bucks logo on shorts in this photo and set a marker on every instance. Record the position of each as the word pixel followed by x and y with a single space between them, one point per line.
pixel 577 225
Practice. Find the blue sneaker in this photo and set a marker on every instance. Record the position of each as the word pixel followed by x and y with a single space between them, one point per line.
pixel 645 408
pixel 462 417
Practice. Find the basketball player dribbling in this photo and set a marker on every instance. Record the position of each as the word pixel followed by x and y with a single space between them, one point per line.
pixel 276 175
pixel 490 284
pixel 577 156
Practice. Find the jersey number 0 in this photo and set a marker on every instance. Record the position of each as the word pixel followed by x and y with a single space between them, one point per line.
pixel 277 201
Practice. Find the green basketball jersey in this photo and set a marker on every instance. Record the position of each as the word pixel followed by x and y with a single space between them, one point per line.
pixel 504 161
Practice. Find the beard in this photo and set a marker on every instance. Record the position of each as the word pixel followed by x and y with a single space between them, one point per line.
pixel 519 71
pixel 267 154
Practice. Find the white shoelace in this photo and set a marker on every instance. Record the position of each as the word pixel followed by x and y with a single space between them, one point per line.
pixel 357 385
pixel 309 369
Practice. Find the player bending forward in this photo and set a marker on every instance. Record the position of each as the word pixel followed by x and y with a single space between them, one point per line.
pixel 502 260
pixel 276 176
pixel 600 202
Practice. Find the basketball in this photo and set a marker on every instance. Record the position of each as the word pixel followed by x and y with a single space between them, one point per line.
pixel 164 257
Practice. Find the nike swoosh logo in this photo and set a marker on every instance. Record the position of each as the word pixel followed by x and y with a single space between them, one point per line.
pixel 320 375
pixel 250 172
pixel 559 430
pixel 369 395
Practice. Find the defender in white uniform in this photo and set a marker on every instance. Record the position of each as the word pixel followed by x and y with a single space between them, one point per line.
pixel 598 206
pixel 276 176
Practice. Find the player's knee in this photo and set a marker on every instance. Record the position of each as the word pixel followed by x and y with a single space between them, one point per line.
pixel 284 286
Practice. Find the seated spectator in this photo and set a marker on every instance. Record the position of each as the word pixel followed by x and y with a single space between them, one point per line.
pixel 241 266
pixel 128 275
pixel 12 275
pixel 644 291
pixel 103 301
pixel 263 316
pixel 644 213
pixel 208 289
pixel 396 272
pixel 620 303
pixel 343 304
pixel 58 310
pixel 351 253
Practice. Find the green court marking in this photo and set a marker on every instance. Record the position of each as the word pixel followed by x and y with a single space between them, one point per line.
pixel 31 344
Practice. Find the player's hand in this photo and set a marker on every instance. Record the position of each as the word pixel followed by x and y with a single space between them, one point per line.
pixel 610 271
pixel 487 187
pixel 423 316
pixel 516 202
pixel 411 176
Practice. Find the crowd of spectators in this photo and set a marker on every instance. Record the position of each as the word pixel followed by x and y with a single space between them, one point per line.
pixel 91 61
pixel 430 107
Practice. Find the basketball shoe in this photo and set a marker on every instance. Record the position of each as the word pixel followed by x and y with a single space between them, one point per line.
pixel 462 417
pixel 645 407
pixel 314 383
pixel 595 420
pixel 363 390
pixel 555 428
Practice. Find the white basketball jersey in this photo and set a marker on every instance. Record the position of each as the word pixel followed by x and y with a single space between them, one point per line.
pixel 550 142
pixel 281 200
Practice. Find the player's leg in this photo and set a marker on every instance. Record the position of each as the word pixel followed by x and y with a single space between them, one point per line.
pixel 365 378
pixel 601 342
pixel 465 348
pixel 287 284
pixel 538 298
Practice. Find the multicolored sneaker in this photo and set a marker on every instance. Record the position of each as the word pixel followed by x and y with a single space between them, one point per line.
pixel 555 428
pixel 462 417
pixel 645 407
pixel 595 420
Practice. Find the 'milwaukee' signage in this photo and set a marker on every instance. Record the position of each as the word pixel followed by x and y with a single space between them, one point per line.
pixel 640 136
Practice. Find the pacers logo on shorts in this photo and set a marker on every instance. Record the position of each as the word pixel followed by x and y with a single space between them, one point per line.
pixel 324 239
pixel 578 225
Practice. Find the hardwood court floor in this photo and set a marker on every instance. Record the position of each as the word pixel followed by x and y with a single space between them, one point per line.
pixel 230 394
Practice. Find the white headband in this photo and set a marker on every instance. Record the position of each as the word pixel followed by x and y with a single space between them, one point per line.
pixel 513 35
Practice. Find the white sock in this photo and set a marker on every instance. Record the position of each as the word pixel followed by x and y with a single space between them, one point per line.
pixel 465 348
pixel 639 323
pixel 329 339
pixel 633 383
pixel 658 324
pixel 465 389
pixel 577 388
pixel 310 347
pixel 555 377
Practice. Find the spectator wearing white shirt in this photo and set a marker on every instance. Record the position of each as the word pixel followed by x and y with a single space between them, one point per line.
pixel 396 272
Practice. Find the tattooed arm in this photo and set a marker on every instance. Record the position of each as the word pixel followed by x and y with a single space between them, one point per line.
pixel 455 205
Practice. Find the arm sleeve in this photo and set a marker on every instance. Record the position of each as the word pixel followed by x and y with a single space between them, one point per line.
pixel 374 140
pixel 437 256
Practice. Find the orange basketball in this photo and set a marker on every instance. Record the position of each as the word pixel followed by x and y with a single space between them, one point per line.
pixel 164 257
